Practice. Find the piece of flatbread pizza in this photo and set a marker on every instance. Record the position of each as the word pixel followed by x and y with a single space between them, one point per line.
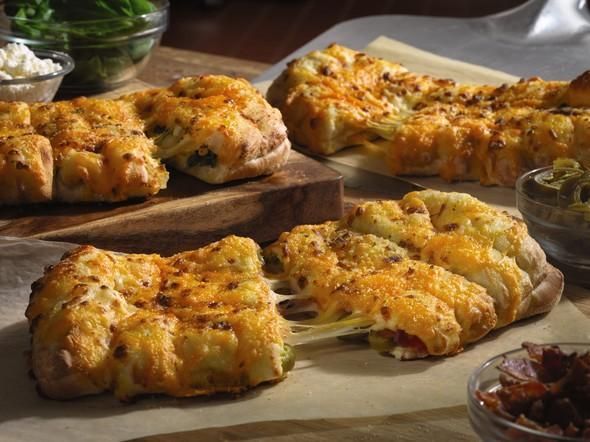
pixel 338 97
pixel 215 128
pixel 198 322
pixel 100 152
pixel 430 273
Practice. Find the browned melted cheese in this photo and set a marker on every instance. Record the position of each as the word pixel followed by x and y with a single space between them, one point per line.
pixel 442 267
pixel 26 160
pixel 223 121
pixel 346 272
pixel 339 97
pixel 213 127
pixel 196 323
pixel 100 151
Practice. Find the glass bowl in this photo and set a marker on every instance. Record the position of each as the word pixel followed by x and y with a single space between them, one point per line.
pixel 39 87
pixel 563 233
pixel 491 427
pixel 108 52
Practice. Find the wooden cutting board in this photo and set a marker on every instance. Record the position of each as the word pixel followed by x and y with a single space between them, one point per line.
pixel 190 213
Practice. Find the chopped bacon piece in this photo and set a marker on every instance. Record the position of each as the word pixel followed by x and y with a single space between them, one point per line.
pixel 522 369
pixel 549 392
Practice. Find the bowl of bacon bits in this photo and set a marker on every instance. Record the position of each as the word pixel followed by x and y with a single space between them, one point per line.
pixel 537 393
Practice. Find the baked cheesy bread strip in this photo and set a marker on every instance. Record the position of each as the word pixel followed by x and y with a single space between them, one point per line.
pixel 215 128
pixel 196 323
pixel 26 160
pixel 414 309
pixel 339 97
pixel 100 152
pixel 467 237
pixel 459 143
pixel 479 264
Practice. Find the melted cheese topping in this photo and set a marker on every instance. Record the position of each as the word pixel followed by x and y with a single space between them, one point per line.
pixel 444 268
pixel 100 152
pixel 339 97
pixel 463 235
pixel 345 272
pixel 210 125
pixel 195 323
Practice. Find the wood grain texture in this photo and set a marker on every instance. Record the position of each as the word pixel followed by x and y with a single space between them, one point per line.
pixel 168 65
pixel 190 213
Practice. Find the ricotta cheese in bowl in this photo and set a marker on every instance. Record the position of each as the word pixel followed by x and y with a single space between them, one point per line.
pixel 27 75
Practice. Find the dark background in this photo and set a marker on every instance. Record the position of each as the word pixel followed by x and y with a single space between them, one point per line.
pixel 268 30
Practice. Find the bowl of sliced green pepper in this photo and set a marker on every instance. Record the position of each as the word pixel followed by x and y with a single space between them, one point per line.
pixel 109 40
pixel 555 204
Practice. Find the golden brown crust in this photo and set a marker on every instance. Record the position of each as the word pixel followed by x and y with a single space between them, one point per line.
pixel 546 293
pixel 338 97
pixel 57 379
pixel 479 264
pixel 578 92
pixel 259 166
pixel 198 322
pixel 215 128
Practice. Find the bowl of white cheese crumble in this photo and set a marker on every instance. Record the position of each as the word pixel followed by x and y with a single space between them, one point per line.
pixel 27 75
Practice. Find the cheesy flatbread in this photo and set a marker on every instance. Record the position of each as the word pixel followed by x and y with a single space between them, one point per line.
pixel 215 128
pixel 430 273
pixel 338 97
pixel 195 323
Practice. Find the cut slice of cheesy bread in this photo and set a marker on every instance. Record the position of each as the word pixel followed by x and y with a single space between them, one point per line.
pixel 349 273
pixel 195 323
pixel 214 127
pixel 100 152
pixel 433 271
pixel 339 97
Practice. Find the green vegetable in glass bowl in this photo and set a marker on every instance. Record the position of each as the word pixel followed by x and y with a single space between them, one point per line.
pixel 110 40
pixel 555 204
pixel 565 185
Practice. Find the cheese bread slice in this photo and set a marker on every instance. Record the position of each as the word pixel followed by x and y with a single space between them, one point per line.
pixel 26 159
pixel 338 97
pixel 100 152
pixel 215 128
pixel 430 273
pixel 195 323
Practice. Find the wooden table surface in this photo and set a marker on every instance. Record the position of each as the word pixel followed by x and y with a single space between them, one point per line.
pixel 169 64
